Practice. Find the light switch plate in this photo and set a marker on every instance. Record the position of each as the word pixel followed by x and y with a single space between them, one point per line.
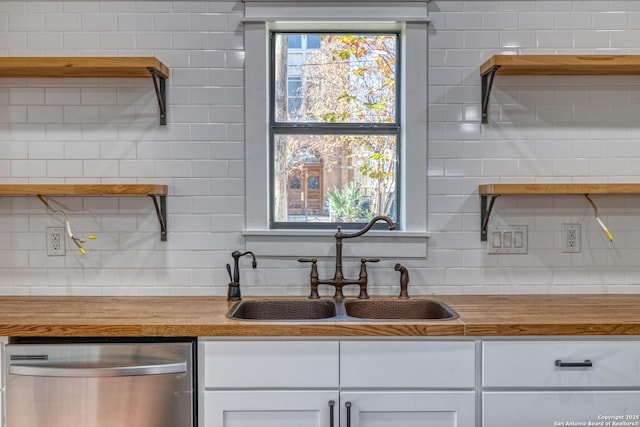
pixel 507 239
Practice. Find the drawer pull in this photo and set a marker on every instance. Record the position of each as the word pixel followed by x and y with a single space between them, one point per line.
pixel 586 364
pixel 332 403
pixel 348 406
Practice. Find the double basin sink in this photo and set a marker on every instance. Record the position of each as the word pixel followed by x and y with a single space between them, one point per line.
pixel 340 310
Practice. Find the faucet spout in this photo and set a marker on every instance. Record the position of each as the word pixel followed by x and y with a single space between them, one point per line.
pixel 367 227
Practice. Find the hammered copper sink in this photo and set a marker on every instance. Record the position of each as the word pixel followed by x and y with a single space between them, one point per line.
pixel 283 309
pixel 338 310
pixel 399 309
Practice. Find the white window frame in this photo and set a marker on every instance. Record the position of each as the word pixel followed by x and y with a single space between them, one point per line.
pixel 407 17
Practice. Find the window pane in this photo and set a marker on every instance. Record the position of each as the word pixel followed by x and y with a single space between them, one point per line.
pixel 294 41
pixel 334 178
pixel 313 41
pixel 345 78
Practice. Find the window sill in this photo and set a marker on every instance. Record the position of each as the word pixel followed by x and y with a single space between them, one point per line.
pixel 321 243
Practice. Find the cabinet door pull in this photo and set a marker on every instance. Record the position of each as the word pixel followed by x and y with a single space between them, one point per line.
pixel 332 403
pixel 586 364
pixel 348 406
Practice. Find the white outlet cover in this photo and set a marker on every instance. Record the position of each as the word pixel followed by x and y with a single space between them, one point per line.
pixel 564 241
pixel 55 241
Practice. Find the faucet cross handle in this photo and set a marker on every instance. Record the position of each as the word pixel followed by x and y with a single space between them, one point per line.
pixel 314 277
pixel 364 277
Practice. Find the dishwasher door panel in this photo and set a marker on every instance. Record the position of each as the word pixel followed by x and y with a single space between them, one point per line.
pixel 112 385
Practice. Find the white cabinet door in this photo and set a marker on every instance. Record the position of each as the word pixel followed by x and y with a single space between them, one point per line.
pixel 408 409
pixel 561 408
pixel 270 408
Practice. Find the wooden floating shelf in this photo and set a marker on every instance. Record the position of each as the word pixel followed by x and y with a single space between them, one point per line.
pixel 489 193
pixel 83 66
pixel 82 189
pixel 543 65
pixel 158 194
pixel 499 189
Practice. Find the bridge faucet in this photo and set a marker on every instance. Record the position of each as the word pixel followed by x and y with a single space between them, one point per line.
pixel 338 280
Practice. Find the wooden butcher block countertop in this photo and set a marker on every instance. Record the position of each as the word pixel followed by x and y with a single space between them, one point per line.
pixel 490 315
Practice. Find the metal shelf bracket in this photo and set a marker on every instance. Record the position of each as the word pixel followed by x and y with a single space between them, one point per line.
pixel 161 210
pixel 487 84
pixel 160 85
pixel 485 213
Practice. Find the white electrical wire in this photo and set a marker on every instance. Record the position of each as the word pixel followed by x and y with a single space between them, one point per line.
pixel 595 209
pixel 74 239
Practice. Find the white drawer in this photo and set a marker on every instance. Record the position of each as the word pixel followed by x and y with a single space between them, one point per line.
pixel 556 408
pixel 407 364
pixel 533 364
pixel 270 364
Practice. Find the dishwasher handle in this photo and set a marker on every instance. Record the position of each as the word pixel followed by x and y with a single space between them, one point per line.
pixel 84 370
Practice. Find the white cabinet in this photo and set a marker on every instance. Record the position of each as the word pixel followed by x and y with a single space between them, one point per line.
pixel 371 383
pixel 408 408
pixel 553 383
pixel 432 383
pixel 272 408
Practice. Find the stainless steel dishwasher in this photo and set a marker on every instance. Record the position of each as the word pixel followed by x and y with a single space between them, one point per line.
pixel 100 383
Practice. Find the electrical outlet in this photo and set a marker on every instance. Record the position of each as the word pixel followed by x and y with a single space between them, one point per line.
pixel 570 238
pixel 55 241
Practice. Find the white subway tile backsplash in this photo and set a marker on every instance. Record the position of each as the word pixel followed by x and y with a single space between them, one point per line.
pixel 102 21
pixel 592 39
pixel 43 40
pixel 45 150
pixel 171 21
pixel 81 40
pixel 499 21
pixel 611 21
pixel 17 114
pixel 44 114
pixel 189 41
pixel 153 40
pixel 541 129
pixel 208 22
pixel 116 40
pixel 64 168
pixel 463 21
pixel 135 22
pixel 28 168
pixel 26 96
pixel 81 114
pixel 26 22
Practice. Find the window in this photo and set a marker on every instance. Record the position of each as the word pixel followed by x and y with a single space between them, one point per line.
pixel 344 93
pixel 294 98
pixel 313 19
